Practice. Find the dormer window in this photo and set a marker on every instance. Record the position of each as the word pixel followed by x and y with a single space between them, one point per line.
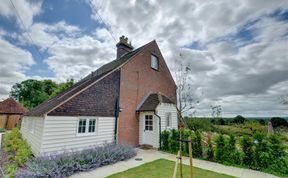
pixel 154 62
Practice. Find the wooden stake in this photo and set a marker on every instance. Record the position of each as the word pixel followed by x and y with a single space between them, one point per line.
pixel 190 157
pixel 180 149
pixel 176 165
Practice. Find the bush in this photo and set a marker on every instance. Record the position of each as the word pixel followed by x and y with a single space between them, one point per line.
pixel 174 140
pixel 247 147
pixel 221 122
pixel 165 140
pixel 220 146
pixel 262 153
pixel 200 124
pixel 278 121
pixel 2 130
pixel 210 150
pixel 68 163
pixel 17 150
pixel 197 145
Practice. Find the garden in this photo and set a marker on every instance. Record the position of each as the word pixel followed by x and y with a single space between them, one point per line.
pixel 236 142
pixel 16 158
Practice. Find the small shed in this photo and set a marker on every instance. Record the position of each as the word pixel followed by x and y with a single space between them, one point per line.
pixel 10 113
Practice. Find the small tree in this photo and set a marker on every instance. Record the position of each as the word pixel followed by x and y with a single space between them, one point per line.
pixel 185 98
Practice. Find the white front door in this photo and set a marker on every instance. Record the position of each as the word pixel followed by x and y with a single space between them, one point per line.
pixel 148 129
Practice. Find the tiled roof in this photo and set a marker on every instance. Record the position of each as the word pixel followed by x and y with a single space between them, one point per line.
pixel 152 101
pixel 10 106
pixel 82 84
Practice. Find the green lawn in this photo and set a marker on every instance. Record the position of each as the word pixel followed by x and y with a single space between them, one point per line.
pixel 163 168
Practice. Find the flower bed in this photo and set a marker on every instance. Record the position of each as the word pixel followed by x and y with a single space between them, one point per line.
pixel 68 163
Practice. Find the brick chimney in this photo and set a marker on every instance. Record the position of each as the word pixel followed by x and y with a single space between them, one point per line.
pixel 123 46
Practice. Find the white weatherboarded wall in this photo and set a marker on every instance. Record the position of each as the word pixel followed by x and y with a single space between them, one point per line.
pixel 32 131
pixel 161 111
pixel 60 133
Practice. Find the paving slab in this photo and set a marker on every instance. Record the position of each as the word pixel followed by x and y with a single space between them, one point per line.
pixel 152 155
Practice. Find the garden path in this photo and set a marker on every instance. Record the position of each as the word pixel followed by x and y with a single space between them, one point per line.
pixel 151 155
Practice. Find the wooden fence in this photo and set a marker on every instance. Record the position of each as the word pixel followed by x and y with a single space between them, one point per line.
pixel 9 121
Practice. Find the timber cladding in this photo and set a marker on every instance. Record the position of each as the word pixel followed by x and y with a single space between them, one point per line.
pixel 9 121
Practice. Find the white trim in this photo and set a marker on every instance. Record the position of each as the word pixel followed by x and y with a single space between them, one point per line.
pixel 86 133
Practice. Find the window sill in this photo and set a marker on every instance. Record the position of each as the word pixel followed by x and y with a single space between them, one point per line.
pixel 85 134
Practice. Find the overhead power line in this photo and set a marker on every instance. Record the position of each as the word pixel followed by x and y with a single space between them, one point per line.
pixel 101 19
pixel 25 28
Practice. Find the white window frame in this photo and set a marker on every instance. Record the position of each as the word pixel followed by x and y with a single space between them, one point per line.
pixel 153 59
pixel 168 116
pixel 88 119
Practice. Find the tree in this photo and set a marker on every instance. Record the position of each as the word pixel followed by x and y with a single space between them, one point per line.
pixel 185 98
pixel 216 110
pixel 30 93
pixel 239 119
pixel 62 86
pixel 278 121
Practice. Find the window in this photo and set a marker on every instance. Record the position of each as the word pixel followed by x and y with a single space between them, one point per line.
pixel 149 122
pixel 86 126
pixel 92 123
pixel 168 119
pixel 82 126
pixel 154 62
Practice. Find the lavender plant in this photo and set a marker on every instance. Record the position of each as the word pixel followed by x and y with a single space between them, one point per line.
pixel 68 163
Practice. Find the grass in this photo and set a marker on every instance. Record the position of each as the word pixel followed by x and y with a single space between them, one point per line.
pixel 163 168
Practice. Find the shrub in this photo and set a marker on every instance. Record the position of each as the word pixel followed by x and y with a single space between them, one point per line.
pixel 262 153
pixel 210 150
pixel 2 130
pixel 174 140
pixel 220 122
pixel 200 124
pixel 247 147
pixel 165 140
pixel 68 163
pixel 197 145
pixel 276 146
pixel 278 121
pixel 220 144
pixel 17 150
pixel 239 119
pixel 254 126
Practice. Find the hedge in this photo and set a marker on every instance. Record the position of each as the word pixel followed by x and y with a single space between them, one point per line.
pixel 260 152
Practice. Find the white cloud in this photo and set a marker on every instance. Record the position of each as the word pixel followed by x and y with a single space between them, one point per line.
pixel 14 61
pixel 26 10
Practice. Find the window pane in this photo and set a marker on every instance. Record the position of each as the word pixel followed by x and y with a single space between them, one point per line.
pixel 82 126
pixel 92 123
pixel 154 62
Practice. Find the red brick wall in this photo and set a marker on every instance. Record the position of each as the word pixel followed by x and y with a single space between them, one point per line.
pixel 137 80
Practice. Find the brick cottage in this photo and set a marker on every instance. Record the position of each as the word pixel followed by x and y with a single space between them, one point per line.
pixel 129 101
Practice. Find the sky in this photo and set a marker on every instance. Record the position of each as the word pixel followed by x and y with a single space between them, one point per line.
pixel 237 50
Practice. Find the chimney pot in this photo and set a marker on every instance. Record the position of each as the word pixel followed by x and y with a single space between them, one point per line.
pixel 123 46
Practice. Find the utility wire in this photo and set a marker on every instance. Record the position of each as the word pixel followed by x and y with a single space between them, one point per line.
pixel 101 19
pixel 25 28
